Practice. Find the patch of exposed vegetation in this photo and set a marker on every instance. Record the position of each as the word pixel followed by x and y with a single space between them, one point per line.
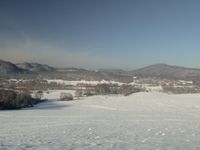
pixel 15 100
pixel 106 89
pixel 181 90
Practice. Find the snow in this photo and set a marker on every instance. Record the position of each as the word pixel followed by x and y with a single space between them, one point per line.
pixel 140 121
pixel 74 83
pixel 153 88
pixel 186 82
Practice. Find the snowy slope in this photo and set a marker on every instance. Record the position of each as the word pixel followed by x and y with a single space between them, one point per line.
pixel 140 121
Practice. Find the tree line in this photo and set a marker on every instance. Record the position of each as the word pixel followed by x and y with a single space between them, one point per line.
pixel 105 89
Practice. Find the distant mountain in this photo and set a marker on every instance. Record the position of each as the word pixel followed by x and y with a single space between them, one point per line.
pixel 115 71
pixel 83 74
pixel 8 68
pixel 168 71
pixel 40 71
pixel 35 67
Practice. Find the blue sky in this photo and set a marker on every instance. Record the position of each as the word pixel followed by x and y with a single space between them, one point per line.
pixel 95 34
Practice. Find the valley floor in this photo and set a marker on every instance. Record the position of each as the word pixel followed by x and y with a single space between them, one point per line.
pixel 142 121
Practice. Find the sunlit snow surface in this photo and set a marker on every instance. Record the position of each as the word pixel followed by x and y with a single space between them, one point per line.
pixel 142 121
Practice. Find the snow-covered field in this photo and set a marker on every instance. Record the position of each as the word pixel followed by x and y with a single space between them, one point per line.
pixel 142 121
pixel 74 83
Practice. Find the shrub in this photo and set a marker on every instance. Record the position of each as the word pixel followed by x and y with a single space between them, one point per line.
pixel 23 99
pixel 102 89
pixel 128 89
pixel 66 96
pixel 7 99
pixel 38 95
pixel 13 100
pixel 79 92
pixel 89 92
pixel 180 90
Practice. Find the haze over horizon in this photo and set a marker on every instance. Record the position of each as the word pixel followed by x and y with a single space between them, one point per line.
pixel 124 34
